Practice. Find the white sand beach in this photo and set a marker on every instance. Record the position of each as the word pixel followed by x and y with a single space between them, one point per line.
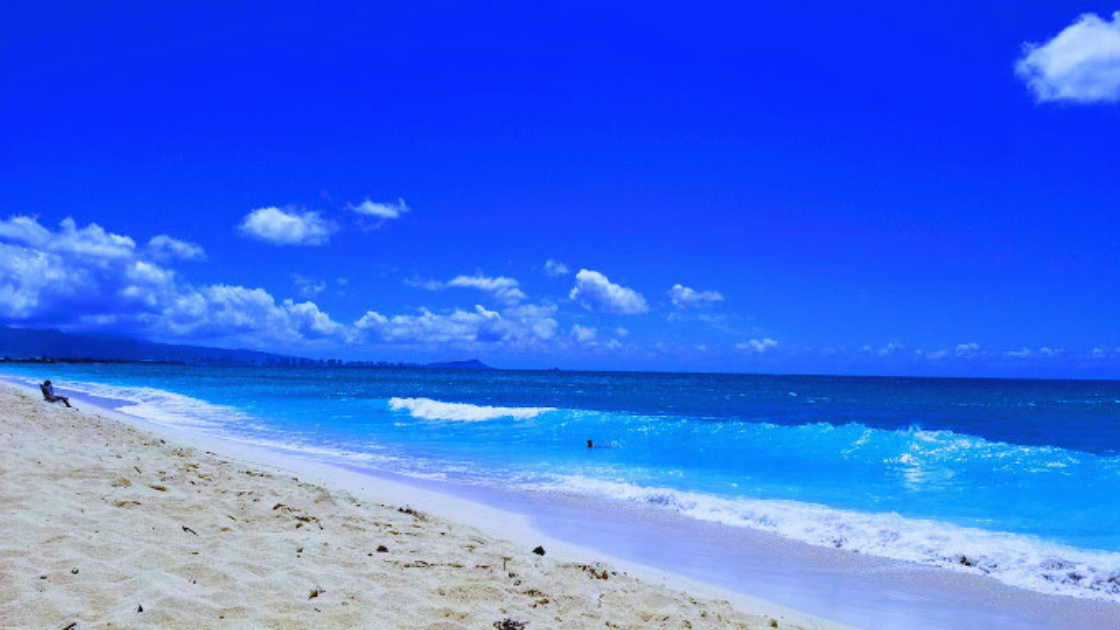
pixel 105 524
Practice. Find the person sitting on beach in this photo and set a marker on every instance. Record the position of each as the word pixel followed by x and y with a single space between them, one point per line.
pixel 49 396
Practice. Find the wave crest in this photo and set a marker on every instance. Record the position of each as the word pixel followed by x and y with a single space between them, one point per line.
pixel 428 409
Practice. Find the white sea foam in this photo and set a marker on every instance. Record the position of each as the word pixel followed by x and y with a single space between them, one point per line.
pixel 428 409
pixel 1015 559
pixel 159 406
pixel 169 409
pixel 1018 560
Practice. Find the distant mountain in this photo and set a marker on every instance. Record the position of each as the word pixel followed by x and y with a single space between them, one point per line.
pixel 49 344
pixel 29 343
pixel 473 364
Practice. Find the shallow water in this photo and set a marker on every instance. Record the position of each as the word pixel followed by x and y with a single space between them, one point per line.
pixel 1016 480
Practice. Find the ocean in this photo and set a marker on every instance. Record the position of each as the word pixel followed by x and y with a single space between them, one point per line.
pixel 1018 480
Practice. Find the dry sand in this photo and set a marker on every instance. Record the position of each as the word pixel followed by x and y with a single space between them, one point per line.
pixel 103 524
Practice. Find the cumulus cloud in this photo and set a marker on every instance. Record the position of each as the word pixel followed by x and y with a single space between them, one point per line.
pixel 757 346
pixel 554 268
pixel 53 276
pixel 287 227
pixel 1081 64
pixel 505 290
pixel 381 211
pixel 38 283
pixel 685 297
pixel 596 293
pixel 523 326
pixel 167 249
pixel 92 240
pixel 1022 353
pixel 584 334
pixel 88 277
pixel 223 312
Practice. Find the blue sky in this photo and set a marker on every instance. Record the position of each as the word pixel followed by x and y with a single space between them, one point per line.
pixel 880 188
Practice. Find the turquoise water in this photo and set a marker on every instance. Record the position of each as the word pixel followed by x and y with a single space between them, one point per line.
pixel 1019 480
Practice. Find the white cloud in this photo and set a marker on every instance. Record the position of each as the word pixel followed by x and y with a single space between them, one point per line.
pixel 92 240
pixel 685 297
pixel 505 290
pixel 88 277
pixel 1081 64
pixel 252 316
pixel 890 349
pixel 1018 354
pixel 967 349
pixel 287 227
pixel 381 211
pixel 757 346
pixel 621 332
pixel 308 287
pixel 167 249
pixel 584 334
pixel 56 276
pixel 596 293
pixel 962 350
pixel 555 268
pixel 34 283
pixel 522 326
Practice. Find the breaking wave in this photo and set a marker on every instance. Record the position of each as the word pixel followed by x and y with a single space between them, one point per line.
pixel 428 409
pixel 1014 559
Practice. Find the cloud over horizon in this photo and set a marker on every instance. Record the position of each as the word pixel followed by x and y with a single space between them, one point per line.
pixel 524 327
pixel 1081 64
pixel 89 278
pixel 757 346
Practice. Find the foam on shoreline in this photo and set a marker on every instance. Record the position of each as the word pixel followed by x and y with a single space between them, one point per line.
pixel 1013 559
pixel 107 523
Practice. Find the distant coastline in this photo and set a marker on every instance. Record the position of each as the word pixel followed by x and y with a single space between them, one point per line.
pixel 472 364
pixel 34 345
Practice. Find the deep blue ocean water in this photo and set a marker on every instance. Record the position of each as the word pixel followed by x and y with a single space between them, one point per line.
pixel 1017 479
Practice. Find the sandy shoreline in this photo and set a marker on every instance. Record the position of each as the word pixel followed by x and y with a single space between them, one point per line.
pixel 103 519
